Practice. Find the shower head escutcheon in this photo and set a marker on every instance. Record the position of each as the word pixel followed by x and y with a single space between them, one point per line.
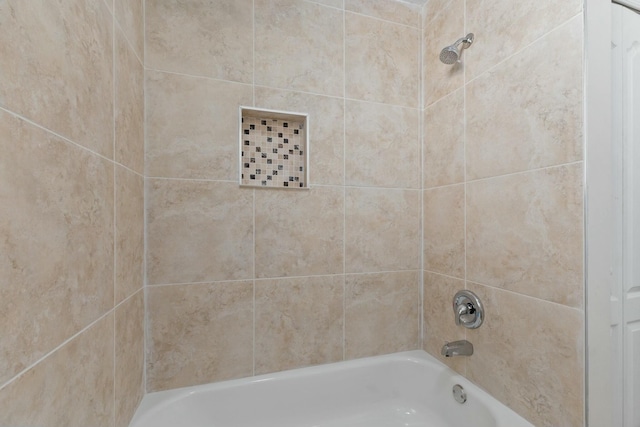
pixel 451 54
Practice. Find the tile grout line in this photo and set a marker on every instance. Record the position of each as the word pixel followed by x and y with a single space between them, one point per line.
pixel 253 89
pixel 506 175
pixel 523 48
pixel 63 138
pixel 259 279
pixel 253 51
pixel 344 181
pixel 114 94
pixel 302 190
pixel 464 169
pixel 497 288
pixel 145 202
pixel 119 26
pixel 518 294
pixel 375 18
pixel 284 89
pixel 491 68
pixel 64 343
pixel 422 172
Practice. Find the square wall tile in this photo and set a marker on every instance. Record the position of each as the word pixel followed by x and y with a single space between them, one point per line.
pixel 198 231
pixel 299 233
pixel 381 230
pixel 129 106
pixel 382 145
pixel 57 235
pixel 199 334
pixel 211 38
pixel 531 360
pixel 443 25
pixel 68 69
pixel 299 322
pixel 382 313
pixel 192 126
pixel 525 233
pixel 444 234
pixel 528 113
pixel 299 45
pixel 326 129
pixel 505 27
pixel 382 61
pixel 444 141
pixel 439 320
pixel 129 361
pixel 72 387
pixel 129 233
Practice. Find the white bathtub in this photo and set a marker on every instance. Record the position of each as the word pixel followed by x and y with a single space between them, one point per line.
pixel 402 389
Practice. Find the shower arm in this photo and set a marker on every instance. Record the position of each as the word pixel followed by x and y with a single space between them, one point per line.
pixel 466 41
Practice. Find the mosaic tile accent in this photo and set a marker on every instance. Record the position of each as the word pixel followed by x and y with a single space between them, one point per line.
pixel 274 152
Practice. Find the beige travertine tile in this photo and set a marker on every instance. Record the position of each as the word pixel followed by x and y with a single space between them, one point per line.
pixel 444 141
pixel 57 242
pixel 527 113
pixel 439 320
pixel 129 102
pixel 443 25
pixel 199 334
pixel 299 233
pixel 394 11
pixel 201 37
pixel 381 229
pixel 525 233
pixel 382 313
pixel 299 45
pixel 65 82
pixel 129 362
pixel 503 27
pixel 382 61
pixel 192 126
pixel 382 145
pixel 299 322
pixel 444 244
pixel 326 129
pixel 130 16
pixel 198 231
pixel 72 387
pixel 129 233
pixel 529 354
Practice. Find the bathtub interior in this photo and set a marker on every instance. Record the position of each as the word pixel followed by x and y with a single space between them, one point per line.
pixel 404 389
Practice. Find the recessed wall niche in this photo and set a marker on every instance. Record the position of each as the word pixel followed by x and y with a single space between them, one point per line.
pixel 274 149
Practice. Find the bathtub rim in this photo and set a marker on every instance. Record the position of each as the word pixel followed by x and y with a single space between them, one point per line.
pixel 503 414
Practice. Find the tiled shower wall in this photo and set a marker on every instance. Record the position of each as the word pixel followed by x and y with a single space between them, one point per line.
pixel 503 198
pixel 71 190
pixel 248 281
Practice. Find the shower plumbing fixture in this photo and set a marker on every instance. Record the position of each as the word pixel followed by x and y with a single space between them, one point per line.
pixel 467 309
pixel 451 54
pixel 457 348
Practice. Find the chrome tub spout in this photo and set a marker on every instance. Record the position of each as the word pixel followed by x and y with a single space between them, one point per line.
pixel 457 348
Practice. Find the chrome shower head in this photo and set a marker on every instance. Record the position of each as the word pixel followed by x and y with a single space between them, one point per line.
pixel 451 54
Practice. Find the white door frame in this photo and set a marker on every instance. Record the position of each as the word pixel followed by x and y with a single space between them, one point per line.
pixel 625 297
pixel 599 212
